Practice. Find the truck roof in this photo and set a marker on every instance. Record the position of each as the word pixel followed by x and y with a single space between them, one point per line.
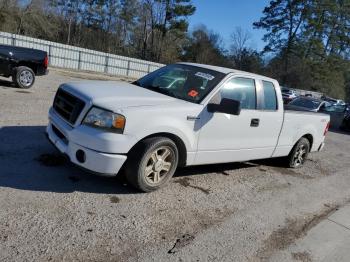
pixel 226 70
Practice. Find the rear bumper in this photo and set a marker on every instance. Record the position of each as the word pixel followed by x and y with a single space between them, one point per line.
pixel 97 162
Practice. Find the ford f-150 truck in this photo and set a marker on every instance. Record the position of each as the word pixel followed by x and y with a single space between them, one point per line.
pixel 22 64
pixel 180 115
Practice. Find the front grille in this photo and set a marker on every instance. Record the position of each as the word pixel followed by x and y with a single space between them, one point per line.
pixel 67 106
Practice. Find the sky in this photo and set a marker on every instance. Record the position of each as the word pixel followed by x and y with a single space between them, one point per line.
pixel 222 16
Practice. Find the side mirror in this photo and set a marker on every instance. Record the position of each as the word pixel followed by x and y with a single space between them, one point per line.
pixel 226 106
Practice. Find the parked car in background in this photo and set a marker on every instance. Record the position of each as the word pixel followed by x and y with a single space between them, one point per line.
pixel 337 114
pixel 22 64
pixel 214 115
pixel 333 101
pixel 307 104
pixel 335 108
pixel 288 95
pixel 329 100
pixel 340 102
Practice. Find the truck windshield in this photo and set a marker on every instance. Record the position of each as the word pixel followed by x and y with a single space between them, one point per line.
pixel 184 82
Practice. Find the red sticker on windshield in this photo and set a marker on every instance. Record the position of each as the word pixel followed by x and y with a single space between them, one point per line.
pixel 193 93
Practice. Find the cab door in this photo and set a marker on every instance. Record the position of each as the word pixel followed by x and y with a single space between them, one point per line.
pixel 231 138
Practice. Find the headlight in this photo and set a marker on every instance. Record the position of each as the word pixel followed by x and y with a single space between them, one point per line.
pixel 104 119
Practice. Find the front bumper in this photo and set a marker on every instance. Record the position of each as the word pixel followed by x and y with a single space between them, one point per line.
pixel 95 161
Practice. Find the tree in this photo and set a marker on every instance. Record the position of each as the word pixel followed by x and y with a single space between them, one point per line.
pixel 160 28
pixel 172 18
pixel 347 82
pixel 310 40
pixel 327 29
pixel 248 60
pixel 240 39
pixel 204 47
pixel 242 56
pixel 127 20
pixel 283 21
pixel 70 11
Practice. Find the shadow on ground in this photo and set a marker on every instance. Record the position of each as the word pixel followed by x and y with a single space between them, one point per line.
pixel 6 83
pixel 29 162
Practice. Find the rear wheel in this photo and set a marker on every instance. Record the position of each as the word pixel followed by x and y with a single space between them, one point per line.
pixel 152 163
pixel 299 153
pixel 23 77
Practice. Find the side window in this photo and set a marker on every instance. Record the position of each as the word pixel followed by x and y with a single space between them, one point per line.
pixel 240 89
pixel 270 98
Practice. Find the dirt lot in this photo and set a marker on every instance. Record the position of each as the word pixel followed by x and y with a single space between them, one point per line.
pixel 50 210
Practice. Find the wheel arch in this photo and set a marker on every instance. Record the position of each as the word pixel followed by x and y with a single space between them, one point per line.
pixel 30 65
pixel 176 139
pixel 310 138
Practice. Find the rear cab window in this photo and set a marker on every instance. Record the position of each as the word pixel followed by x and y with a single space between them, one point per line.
pixel 269 100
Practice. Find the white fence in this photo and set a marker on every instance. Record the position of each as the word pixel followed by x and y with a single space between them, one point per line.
pixel 71 57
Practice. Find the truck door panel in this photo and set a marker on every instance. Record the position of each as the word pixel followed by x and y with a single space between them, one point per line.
pixel 230 138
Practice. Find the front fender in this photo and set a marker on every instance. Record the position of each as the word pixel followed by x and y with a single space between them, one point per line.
pixel 187 135
pixel 144 124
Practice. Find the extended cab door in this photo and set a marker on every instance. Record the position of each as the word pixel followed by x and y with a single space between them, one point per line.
pixel 251 135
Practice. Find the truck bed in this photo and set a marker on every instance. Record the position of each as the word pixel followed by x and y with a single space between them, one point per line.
pixel 298 123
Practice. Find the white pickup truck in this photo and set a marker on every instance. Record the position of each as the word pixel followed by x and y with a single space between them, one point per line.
pixel 180 115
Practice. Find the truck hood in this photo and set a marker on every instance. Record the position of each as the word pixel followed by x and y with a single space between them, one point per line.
pixel 115 95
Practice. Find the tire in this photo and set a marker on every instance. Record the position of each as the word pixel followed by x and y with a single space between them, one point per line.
pixel 152 163
pixel 23 77
pixel 299 153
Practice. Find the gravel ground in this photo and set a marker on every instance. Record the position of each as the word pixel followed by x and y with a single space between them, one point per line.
pixel 50 210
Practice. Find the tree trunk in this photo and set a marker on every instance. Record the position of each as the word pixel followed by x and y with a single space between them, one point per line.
pixel 69 30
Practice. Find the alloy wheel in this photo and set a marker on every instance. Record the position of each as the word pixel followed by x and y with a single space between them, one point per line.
pixel 299 156
pixel 159 164
pixel 26 78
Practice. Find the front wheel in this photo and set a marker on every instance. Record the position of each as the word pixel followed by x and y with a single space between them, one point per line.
pixel 299 153
pixel 23 77
pixel 152 163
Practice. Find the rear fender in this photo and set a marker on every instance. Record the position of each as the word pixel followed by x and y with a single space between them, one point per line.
pixel 307 130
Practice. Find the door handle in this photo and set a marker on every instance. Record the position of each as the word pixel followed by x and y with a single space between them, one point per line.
pixel 193 118
pixel 255 122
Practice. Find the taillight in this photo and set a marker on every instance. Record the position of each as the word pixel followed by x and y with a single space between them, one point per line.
pixel 327 128
pixel 46 61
